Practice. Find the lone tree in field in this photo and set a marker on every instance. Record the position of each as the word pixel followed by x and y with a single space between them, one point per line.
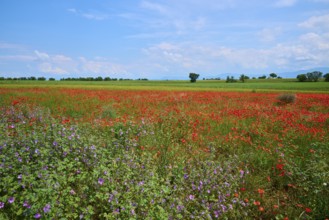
pixel 193 77
pixel 273 75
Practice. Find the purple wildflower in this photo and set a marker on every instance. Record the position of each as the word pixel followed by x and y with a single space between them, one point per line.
pixel 180 208
pixel 37 215
pixel 100 181
pixel 26 204
pixel 217 213
pixel 11 199
pixel 241 173
pixel 191 197
pixel 111 198
pixel 46 208
pixel 2 205
pixel 72 192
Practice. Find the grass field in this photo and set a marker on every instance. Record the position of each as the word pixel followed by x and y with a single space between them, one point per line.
pixel 263 85
pixel 164 150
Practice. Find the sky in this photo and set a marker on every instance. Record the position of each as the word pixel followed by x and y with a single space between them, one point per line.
pixel 161 39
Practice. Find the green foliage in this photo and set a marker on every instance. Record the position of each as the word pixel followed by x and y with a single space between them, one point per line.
pixel 193 77
pixel 273 75
pixel 309 169
pixel 314 76
pixel 326 77
pixel 66 171
pixel 302 77
pixel 231 79
pixel 243 78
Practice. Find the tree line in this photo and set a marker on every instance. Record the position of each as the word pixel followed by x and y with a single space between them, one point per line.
pixel 99 78
pixel 314 76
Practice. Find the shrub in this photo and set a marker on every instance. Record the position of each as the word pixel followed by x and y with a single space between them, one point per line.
pixel 286 98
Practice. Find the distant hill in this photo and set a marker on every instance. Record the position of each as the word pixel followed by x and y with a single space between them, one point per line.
pixel 294 74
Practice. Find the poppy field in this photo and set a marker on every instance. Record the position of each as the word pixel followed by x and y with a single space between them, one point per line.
pixel 77 153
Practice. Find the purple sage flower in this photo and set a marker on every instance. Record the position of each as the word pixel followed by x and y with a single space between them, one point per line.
pixel 11 199
pixel 100 181
pixel 46 208
pixel 37 215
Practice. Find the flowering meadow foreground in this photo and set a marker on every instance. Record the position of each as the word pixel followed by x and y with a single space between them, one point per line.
pixel 116 154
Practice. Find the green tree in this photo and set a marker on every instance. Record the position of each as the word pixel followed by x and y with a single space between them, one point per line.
pixel 302 77
pixel 326 77
pixel 243 78
pixel 273 75
pixel 194 77
pixel 314 76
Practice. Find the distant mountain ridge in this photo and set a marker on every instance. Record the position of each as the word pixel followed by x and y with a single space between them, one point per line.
pixel 294 74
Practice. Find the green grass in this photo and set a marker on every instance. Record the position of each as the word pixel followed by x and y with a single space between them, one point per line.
pixel 204 85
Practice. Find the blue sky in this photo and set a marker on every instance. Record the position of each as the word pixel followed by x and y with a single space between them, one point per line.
pixel 163 39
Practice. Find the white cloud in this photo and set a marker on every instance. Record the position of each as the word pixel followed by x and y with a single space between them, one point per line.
pixel 92 14
pixel 285 3
pixel 154 7
pixel 101 66
pixel 50 68
pixel 41 56
pixel 269 34
pixel 309 50
pixel 317 22
pixel 316 41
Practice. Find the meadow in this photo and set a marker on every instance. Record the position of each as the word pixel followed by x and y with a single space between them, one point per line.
pixel 164 150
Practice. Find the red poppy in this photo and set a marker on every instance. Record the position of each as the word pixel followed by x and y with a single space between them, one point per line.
pixel 279 166
pixel 308 210
pixel 15 102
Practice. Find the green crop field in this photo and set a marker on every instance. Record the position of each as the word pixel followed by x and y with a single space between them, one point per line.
pixel 204 85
